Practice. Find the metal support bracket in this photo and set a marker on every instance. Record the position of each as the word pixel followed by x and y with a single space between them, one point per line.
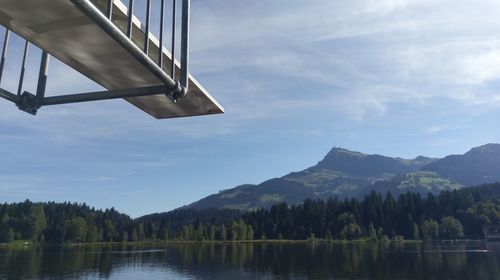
pixel 31 103
pixel 28 103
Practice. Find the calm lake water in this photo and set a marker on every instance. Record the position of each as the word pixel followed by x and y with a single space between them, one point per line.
pixel 465 260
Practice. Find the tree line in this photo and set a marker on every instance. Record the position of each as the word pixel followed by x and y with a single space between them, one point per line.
pixel 449 215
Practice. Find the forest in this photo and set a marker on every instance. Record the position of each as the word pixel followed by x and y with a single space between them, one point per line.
pixel 449 215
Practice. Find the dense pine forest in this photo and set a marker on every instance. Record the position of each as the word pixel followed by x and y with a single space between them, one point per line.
pixel 449 215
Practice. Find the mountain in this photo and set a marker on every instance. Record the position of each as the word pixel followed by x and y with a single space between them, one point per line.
pixel 478 166
pixel 357 164
pixel 347 174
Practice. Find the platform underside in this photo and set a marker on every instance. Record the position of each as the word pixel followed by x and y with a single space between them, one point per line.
pixel 65 32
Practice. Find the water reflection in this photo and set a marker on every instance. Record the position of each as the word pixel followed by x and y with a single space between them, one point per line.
pixel 249 261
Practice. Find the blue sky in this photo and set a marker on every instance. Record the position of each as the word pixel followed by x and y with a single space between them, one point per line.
pixel 296 77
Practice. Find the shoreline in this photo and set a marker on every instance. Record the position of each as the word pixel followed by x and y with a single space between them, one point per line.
pixel 22 243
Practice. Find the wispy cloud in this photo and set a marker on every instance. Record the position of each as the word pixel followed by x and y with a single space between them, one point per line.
pixel 371 54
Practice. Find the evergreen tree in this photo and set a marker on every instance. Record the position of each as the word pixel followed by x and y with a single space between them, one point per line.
pixel 328 235
pixel 4 229
pixel 372 233
pixel 140 232
pixel 223 233
pixel 234 230
pixel 200 232
pixel 451 228
pixel 109 231
pixel 416 232
pixel 242 230
pixel 9 236
pixel 124 236
pixel 430 229
pixel 212 232
pixel 92 234
pixel 163 231
pixel 135 235
pixel 250 233
pixel 77 230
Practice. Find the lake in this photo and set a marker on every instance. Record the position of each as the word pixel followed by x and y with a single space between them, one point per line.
pixel 445 260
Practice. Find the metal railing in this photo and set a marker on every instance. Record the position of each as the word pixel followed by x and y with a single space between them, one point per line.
pixel 173 89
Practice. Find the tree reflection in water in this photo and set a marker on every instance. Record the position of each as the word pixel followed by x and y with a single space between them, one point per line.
pixel 263 260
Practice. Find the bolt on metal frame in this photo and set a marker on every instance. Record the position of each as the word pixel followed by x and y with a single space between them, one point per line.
pixel 175 90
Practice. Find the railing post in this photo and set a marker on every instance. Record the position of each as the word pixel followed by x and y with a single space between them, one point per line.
pixel 148 23
pixel 130 17
pixel 110 9
pixel 4 52
pixel 23 68
pixel 185 43
pixel 172 64
pixel 162 23
pixel 42 75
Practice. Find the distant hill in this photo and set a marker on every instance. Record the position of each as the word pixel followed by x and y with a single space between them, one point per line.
pixel 477 166
pixel 345 173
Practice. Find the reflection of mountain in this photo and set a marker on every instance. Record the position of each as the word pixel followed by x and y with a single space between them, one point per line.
pixel 251 261
pixel 346 173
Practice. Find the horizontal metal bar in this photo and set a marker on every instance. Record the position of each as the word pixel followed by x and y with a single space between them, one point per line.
pixel 95 14
pixel 9 96
pixel 105 95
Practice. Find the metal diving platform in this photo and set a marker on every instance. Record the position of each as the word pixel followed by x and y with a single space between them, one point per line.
pixel 104 41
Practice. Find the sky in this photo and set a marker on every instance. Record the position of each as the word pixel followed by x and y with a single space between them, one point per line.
pixel 296 78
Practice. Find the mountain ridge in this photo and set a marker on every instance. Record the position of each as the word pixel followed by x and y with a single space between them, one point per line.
pixel 345 173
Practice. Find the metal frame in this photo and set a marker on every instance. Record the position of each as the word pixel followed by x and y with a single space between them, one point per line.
pixel 30 103
pixel 175 90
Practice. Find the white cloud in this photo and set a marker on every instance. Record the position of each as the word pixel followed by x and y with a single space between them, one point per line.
pixel 370 53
